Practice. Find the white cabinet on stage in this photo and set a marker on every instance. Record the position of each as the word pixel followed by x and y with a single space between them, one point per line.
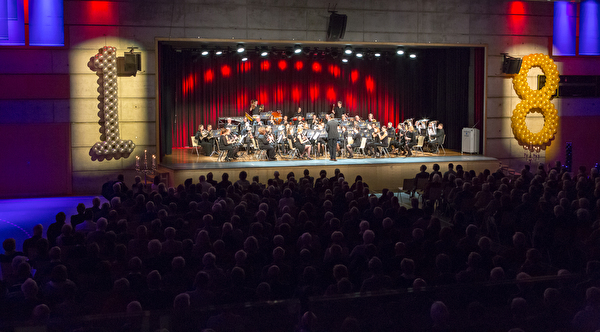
pixel 470 140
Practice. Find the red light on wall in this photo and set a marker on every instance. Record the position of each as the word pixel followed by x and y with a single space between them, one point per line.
pixel 225 71
pixel 101 12
pixel 334 70
pixel 282 64
pixel 331 94
pixel 262 97
pixel 279 94
pixel 299 65
pixel 517 18
pixel 245 66
pixel 265 65
pixel 351 101
pixel 295 94
pixel 517 8
pixel 209 75
pixel 354 76
pixel 316 67
pixel 188 84
pixel 370 83
pixel 313 92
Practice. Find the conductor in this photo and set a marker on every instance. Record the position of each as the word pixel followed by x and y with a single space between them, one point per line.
pixel 332 137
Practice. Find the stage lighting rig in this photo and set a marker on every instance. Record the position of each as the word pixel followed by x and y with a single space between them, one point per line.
pixel 348 50
pixel 240 48
pixel 400 51
pixel 297 49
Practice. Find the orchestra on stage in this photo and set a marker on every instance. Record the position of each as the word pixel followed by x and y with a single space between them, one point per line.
pixel 269 135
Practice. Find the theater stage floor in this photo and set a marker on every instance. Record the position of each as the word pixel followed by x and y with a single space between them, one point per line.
pixel 379 173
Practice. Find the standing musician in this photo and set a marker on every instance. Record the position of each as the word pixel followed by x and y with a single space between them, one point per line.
pixel 226 142
pixel 302 143
pixel 254 109
pixel 356 138
pixel 298 116
pixel 332 137
pixel 338 110
pixel 263 144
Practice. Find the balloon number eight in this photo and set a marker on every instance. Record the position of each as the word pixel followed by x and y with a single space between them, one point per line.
pixel 113 145
pixel 532 100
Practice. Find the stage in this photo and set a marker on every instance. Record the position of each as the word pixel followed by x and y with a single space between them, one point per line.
pixel 378 173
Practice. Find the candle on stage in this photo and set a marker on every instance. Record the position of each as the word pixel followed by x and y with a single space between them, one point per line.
pixel 153 161
pixel 137 161
pixel 145 159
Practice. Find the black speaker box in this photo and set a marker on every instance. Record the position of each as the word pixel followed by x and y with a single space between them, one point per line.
pixel 133 62
pixel 337 27
pixel 511 65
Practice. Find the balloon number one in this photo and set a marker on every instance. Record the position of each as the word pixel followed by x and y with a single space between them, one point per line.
pixel 112 145
pixel 532 100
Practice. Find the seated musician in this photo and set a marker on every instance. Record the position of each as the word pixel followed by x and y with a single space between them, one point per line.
pixel 357 120
pixel 246 126
pixel 370 118
pixel 271 121
pixel 199 134
pixel 249 143
pixel 321 140
pixel 438 137
pixel 302 143
pixel 375 142
pixel 227 143
pixel 207 141
pixel 344 118
pixel 383 138
pixel 313 122
pixel 410 138
pixel 285 120
pixel 264 144
pixel 356 138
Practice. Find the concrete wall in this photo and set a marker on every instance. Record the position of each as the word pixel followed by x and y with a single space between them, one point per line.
pixel 515 27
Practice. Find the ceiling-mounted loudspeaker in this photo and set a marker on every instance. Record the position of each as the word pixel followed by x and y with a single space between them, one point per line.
pixel 337 27
pixel 511 65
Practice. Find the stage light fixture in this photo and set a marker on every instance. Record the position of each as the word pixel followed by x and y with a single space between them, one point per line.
pixel 240 48
pixel 345 60
pixel 244 59
pixel 297 49
pixel 218 52
pixel 399 51
pixel 204 52
pixel 264 51
pixel 412 56
pixel 348 50
pixel 334 53
pixel 359 54
pixel 377 54
pixel 306 51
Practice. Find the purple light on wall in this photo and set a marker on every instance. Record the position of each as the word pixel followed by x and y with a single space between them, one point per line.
pixel 563 36
pixel 16 26
pixel 589 28
pixel 46 23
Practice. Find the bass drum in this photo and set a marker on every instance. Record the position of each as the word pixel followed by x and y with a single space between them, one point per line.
pixel 277 117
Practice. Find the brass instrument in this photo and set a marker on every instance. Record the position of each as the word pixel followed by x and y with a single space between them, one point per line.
pixel 248 117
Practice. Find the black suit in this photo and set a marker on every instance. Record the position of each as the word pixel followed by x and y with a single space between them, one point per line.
pixel 339 111
pixel 255 110
pixel 439 136
pixel 263 144
pixel 332 137
pixel 223 145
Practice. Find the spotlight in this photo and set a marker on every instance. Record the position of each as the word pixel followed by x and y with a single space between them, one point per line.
pixel 218 52
pixel 244 59
pixel 377 54
pixel 297 49
pixel 359 54
pixel 345 60
pixel 204 52
pixel 399 51
pixel 412 56
pixel 240 48
pixel 264 51
pixel 348 50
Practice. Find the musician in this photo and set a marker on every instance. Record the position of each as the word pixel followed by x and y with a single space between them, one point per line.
pixel 298 116
pixel 410 138
pixel 344 117
pixel 332 136
pixel 373 142
pixel 229 124
pixel 246 126
pixel 199 134
pixel 357 138
pixel 263 144
pixel 438 137
pixel 226 142
pixel 254 109
pixel 392 136
pixel 271 121
pixel 313 122
pixel 250 143
pixel 285 120
pixel 338 110
pixel 302 143
pixel 357 120
pixel 383 139
pixel 370 118
pixel 320 140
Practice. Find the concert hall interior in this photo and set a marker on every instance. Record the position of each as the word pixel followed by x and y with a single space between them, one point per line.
pixel 96 92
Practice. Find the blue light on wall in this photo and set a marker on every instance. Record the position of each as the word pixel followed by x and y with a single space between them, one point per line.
pixel 14 22
pixel 46 23
pixel 589 29
pixel 565 24
pixel 3 20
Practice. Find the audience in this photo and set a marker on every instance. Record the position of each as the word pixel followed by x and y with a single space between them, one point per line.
pixel 210 243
